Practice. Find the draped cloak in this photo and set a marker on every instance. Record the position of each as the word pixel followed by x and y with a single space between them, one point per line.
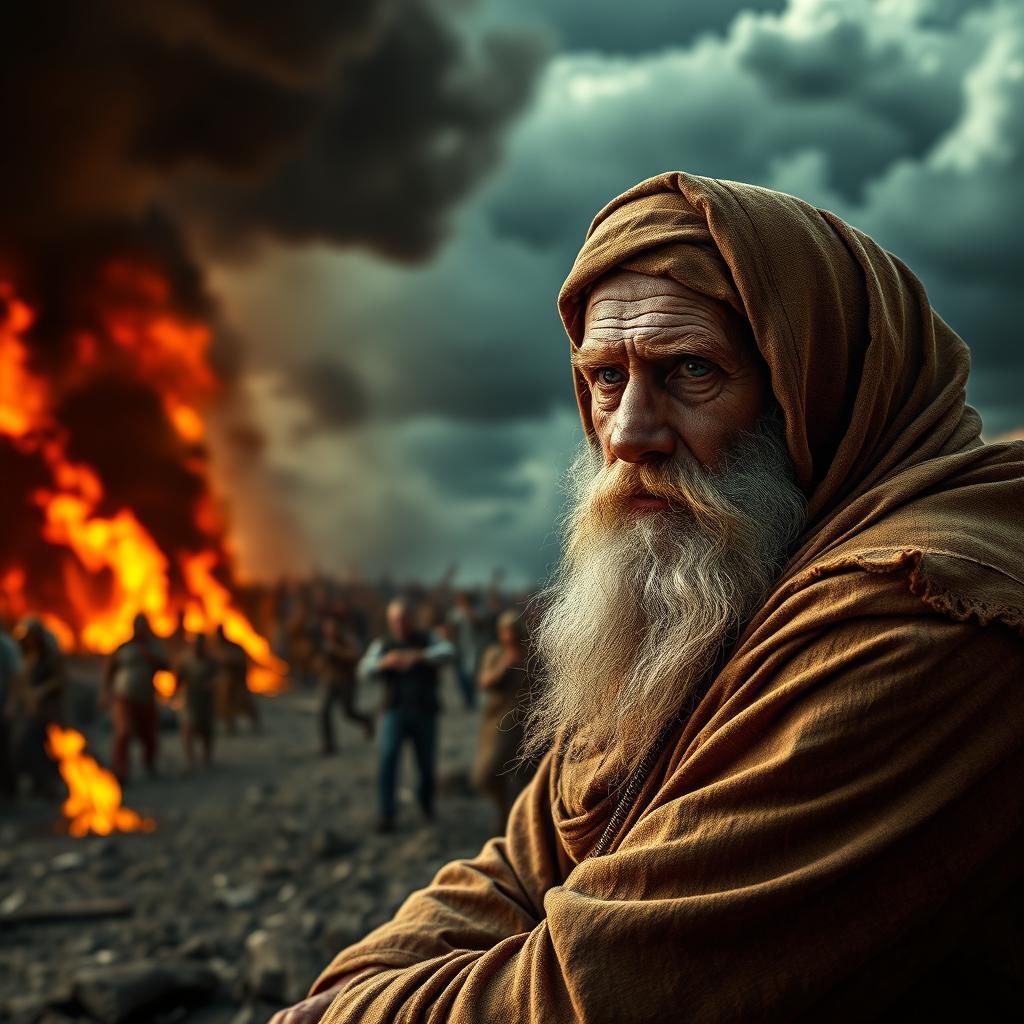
pixel 835 831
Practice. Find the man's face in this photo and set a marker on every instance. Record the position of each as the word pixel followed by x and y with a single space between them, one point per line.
pixel 681 521
pixel 399 620
pixel 671 373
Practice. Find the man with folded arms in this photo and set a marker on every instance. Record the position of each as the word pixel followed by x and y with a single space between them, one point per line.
pixel 783 659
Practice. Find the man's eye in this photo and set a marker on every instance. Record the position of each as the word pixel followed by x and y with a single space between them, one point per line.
pixel 609 376
pixel 695 368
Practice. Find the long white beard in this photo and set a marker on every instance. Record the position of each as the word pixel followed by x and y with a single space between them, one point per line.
pixel 643 605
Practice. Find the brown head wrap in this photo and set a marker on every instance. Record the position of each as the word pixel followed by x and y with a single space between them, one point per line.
pixel 869 378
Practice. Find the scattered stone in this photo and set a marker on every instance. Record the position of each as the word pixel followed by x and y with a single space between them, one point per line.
pixel 326 843
pixel 70 861
pixel 199 947
pixel 240 897
pixel 280 967
pixel 273 868
pixel 12 902
pixel 259 793
pixel 312 924
pixel 29 1006
pixel 291 827
pixel 117 993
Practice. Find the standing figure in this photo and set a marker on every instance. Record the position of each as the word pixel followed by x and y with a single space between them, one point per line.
pixel 337 660
pixel 233 696
pixel 505 684
pixel 196 675
pixel 38 703
pixel 10 674
pixel 465 624
pixel 129 692
pixel 406 662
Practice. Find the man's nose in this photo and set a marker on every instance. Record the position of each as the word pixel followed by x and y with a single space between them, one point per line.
pixel 640 432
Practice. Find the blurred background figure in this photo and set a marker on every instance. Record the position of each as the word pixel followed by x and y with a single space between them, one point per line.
pixel 10 672
pixel 340 649
pixel 129 691
pixel 38 701
pixel 505 685
pixel 406 662
pixel 232 693
pixel 302 629
pixel 195 678
pixel 464 622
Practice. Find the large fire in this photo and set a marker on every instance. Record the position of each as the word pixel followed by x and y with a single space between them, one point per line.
pixel 99 563
pixel 94 795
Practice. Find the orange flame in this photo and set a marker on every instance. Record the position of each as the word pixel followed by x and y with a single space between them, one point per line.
pixel 215 608
pixel 169 351
pixel 94 794
pixel 164 684
pixel 22 395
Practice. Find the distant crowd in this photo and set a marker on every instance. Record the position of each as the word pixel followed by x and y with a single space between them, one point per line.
pixel 379 655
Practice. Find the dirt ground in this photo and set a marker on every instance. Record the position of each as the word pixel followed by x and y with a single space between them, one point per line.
pixel 257 872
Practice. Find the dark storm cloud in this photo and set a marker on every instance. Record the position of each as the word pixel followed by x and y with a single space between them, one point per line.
pixel 474 464
pixel 401 139
pixel 357 123
pixel 335 396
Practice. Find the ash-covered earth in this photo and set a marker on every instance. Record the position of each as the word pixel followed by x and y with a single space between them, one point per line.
pixel 259 870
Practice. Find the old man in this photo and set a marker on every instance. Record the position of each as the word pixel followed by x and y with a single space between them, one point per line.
pixel 783 659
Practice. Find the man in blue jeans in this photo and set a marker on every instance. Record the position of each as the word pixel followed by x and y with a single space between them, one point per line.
pixel 406 663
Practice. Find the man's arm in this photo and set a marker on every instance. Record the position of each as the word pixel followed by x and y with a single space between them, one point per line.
pixel 847 821
pixel 370 664
pixel 476 903
pixel 439 652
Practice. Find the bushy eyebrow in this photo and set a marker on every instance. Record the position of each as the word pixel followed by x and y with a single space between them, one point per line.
pixel 695 344
pixel 591 359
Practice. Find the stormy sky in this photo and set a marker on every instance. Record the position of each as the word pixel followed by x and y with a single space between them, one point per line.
pixel 409 373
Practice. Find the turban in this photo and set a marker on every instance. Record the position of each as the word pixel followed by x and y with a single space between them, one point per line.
pixel 869 378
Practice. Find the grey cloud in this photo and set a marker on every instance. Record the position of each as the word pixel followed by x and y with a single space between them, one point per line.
pixel 334 394
pixel 630 28
pixel 716 108
pixel 480 463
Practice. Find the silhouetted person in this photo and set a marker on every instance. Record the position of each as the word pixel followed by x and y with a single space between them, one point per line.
pixel 196 677
pixel 129 690
pixel 10 675
pixel 337 661
pixel 233 695
pixel 505 686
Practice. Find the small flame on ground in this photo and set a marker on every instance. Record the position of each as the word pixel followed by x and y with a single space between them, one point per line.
pixel 163 683
pixel 94 794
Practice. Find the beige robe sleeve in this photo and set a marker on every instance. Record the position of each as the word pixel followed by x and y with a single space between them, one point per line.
pixel 853 820
pixel 475 904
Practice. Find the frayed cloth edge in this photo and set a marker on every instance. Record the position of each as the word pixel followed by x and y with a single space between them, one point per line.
pixel 922 583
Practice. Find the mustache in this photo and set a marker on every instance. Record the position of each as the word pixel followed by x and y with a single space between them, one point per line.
pixel 688 489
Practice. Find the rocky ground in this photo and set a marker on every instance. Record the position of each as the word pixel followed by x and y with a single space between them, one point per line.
pixel 256 874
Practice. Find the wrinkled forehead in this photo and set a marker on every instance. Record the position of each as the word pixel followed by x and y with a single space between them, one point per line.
pixel 627 305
